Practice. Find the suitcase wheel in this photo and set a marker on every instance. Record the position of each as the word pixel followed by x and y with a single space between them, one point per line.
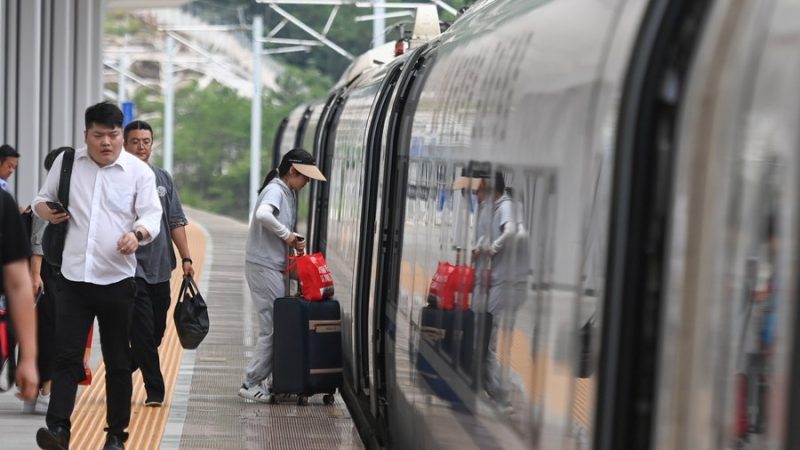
pixel 328 399
pixel 302 400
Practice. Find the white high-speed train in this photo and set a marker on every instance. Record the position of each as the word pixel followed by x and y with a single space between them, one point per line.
pixel 648 153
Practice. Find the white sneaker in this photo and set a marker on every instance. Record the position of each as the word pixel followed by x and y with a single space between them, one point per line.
pixel 255 393
pixel 42 403
pixel 28 406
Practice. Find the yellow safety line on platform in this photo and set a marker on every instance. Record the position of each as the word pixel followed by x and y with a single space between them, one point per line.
pixel 147 424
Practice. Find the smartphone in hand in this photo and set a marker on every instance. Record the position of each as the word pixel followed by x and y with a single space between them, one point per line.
pixel 57 207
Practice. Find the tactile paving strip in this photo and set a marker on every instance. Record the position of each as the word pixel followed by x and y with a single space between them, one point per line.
pixel 216 417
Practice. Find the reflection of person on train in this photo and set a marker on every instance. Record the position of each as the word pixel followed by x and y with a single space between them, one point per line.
pixel 759 328
pixel 495 233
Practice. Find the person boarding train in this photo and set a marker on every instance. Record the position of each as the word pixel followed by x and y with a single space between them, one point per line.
pixel 268 243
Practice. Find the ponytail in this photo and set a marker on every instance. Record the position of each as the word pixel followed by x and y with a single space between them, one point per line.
pixel 270 176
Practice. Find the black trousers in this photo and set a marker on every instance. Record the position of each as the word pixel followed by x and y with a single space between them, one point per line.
pixel 46 320
pixel 77 306
pixel 147 330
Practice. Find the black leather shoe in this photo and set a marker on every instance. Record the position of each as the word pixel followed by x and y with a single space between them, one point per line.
pixel 55 439
pixel 113 442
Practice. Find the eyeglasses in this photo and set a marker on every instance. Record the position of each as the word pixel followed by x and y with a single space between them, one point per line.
pixel 137 142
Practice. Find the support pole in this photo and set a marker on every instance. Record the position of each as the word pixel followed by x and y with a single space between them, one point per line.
pixel 255 115
pixel 123 64
pixel 378 25
pixel 169 103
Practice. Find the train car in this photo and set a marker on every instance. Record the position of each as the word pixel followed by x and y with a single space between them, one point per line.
pixel 617 178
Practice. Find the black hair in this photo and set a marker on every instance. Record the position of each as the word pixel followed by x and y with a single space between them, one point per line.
pixel 104 113
pixel 136 125
pixel 499 182
pixel 7 151
pixel 51 157
pixel 297 155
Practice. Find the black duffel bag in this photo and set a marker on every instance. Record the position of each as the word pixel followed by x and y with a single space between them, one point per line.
pixel 191 315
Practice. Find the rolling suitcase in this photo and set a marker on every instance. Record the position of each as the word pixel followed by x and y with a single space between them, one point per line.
pixel 307 348
pixel 452 334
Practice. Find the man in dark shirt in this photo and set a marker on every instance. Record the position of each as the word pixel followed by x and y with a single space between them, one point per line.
pixel 155 264
pixel 18 289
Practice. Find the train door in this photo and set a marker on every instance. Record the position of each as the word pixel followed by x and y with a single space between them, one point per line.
pixel 319 207
pixel 391 190
pixel 646 141
pixel 729 354
pixel 366 306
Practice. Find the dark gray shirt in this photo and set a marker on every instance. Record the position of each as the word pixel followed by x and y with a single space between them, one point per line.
pixel 156 261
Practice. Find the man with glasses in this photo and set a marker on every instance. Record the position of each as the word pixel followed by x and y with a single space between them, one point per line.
pixel 155 264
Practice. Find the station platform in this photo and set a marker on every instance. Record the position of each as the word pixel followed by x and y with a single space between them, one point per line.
pixel 202 409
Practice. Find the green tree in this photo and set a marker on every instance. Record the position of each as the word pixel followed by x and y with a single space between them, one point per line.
pixel 212 139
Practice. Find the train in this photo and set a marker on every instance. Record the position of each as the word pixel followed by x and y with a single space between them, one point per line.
pixel 617 178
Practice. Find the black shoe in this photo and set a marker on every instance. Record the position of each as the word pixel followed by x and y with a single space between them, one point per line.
pixel 55 439
pixel 155 402
pixel 113 442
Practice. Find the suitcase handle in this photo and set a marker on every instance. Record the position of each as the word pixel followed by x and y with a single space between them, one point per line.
pixel 325 326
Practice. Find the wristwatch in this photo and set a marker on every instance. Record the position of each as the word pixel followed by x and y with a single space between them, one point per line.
pixel 139 235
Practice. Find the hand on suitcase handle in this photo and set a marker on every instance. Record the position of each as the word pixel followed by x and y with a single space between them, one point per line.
pixel 297 244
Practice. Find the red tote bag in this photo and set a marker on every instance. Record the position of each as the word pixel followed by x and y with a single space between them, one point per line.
pixel 316 281
pixel 451 286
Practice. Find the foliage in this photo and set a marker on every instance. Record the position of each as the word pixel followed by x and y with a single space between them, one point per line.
pixel 121 24
pixel 212 139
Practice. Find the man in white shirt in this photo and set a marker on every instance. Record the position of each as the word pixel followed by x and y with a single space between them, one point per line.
pixel 113 208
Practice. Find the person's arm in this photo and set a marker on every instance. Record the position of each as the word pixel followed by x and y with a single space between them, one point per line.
pixel 177 224
pixel 148 208
pixel 18 290
pixel 265 215
pixel 37 233
pixel 36 274
pixel 180 240
pixel 508 233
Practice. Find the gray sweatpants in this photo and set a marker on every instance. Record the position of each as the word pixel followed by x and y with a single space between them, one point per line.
pixel 266 285
pixel 499 296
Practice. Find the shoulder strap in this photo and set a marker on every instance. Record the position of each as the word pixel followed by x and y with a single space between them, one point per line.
pixel 66 176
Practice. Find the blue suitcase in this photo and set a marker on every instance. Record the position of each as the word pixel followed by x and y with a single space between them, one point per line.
pixel 307 348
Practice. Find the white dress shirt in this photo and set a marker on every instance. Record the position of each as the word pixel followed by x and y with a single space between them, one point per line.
pixel 104 204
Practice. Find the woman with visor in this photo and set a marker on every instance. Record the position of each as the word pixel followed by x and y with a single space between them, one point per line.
pixel 268 243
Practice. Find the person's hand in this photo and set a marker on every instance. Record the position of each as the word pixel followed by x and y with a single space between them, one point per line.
pixel 36 279
pixel 188 270
pixel 52 215
pixel 128 244
pixel 27 379
pixel 300 246
pixel 293 241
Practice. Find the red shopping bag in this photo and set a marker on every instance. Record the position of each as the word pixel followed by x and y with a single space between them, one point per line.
pixel 86 355
pixel 451 286
pixel 316 281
